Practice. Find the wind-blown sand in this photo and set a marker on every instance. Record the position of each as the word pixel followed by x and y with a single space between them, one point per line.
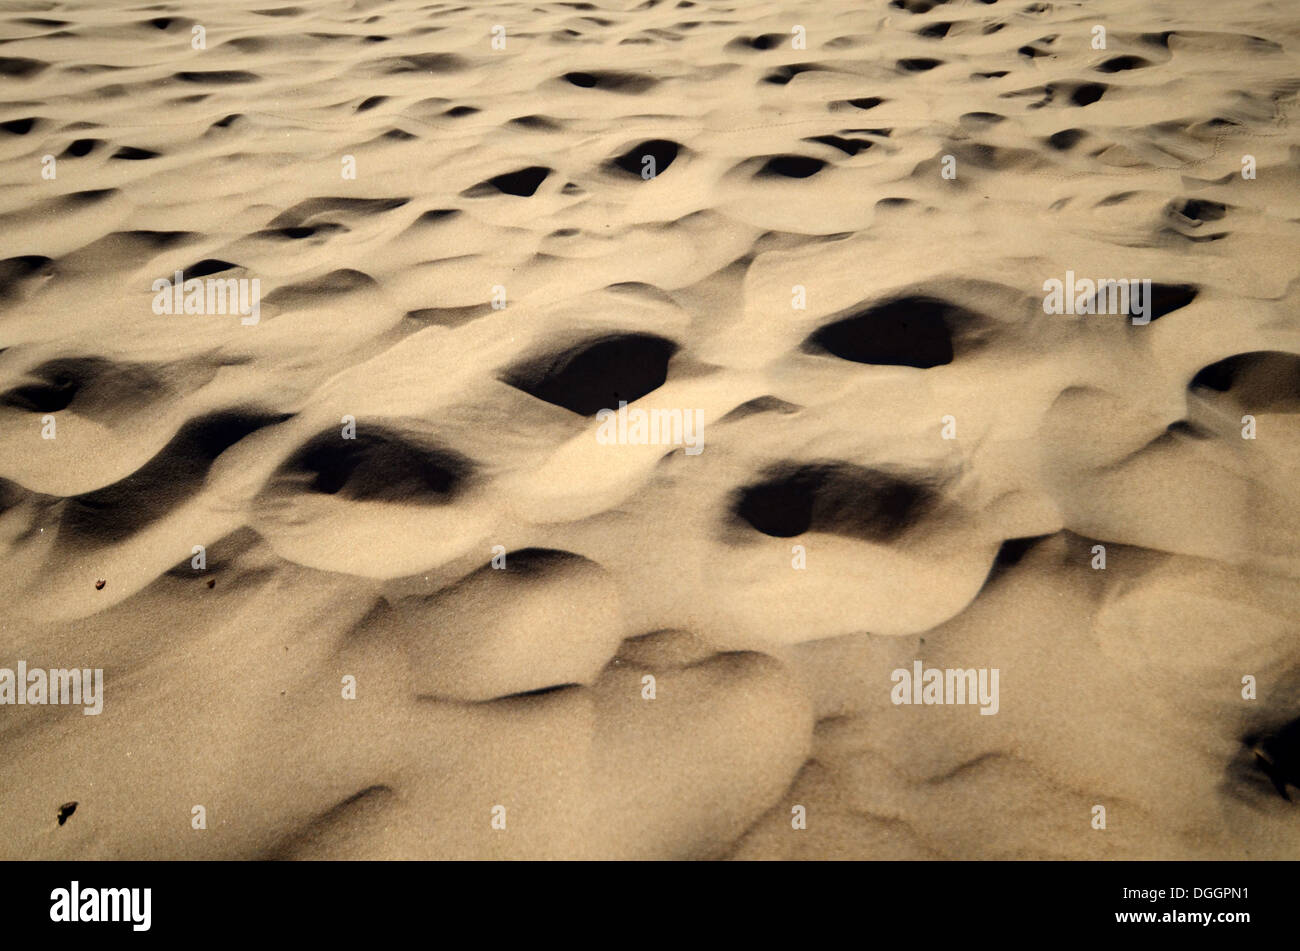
pixel 517 171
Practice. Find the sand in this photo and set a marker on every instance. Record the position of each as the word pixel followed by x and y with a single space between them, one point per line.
pixel 496 624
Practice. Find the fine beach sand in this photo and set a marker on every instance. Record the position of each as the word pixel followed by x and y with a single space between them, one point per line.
pixel 826 535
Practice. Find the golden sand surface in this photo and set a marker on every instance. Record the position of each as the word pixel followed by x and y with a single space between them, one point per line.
pixel 370 573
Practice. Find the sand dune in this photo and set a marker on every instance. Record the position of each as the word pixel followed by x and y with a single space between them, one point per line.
pixel 447 606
